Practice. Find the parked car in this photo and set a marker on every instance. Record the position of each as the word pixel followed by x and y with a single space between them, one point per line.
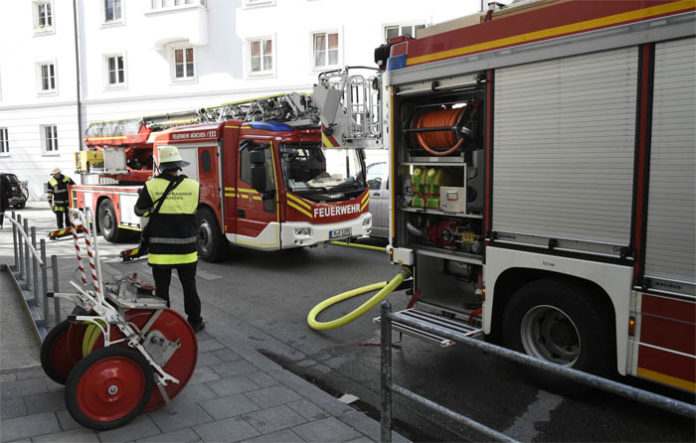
pixel 378 182
pixel 17 192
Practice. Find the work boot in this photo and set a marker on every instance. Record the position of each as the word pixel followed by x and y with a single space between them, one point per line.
pixel 198 327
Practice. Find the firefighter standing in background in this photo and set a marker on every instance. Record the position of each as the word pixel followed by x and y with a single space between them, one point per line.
pixel 171 232
pixel 58 196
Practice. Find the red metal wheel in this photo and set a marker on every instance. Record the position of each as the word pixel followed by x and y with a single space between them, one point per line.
pixel 173 326
pixel 183 362
pixel 108 388
pixel 55 360
pixel 76 335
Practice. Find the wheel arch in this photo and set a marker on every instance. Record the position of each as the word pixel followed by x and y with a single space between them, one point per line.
pixel 507 270
pixel 512 279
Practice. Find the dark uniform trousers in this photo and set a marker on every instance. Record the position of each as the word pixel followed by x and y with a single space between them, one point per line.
pixel 187 276
pixel 60 216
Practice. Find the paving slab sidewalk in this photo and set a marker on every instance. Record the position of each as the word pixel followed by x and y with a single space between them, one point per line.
pixel 235 394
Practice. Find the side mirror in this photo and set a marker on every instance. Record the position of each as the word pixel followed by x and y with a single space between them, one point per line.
pixel 258 170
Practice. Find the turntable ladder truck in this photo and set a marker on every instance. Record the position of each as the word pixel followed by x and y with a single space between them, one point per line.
pixel 267 180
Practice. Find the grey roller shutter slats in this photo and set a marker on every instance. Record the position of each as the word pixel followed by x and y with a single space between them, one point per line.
pixel 671 227
pixel 564 147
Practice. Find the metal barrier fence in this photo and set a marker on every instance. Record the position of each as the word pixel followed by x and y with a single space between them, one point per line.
pixel 387 387
pixel 28 264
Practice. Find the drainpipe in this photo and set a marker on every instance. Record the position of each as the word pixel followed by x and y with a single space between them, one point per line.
pixel 78 92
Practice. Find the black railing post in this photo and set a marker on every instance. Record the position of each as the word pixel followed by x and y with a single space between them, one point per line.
pixel 20 239
pixel 44 282
pixel 56 300
pixel 27 255
pixel 14 242
pixel 35 268
pixel 386 372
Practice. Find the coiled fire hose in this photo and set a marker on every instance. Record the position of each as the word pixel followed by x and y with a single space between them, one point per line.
pixel 432 141
pixel 385 288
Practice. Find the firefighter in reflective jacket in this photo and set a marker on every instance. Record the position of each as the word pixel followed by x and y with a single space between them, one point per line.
pixel 171 231
pixel 58 196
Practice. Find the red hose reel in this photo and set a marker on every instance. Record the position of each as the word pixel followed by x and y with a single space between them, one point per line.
pixel 450 138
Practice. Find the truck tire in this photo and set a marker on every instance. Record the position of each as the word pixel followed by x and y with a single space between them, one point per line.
pixel 211 243
pixel 564 323
pixel 108 223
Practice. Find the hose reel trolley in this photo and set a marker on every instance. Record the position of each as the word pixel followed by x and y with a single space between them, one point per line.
pixel 122 351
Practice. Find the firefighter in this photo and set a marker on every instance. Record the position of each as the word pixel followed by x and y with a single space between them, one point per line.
pixel 58 196
pixel 171 232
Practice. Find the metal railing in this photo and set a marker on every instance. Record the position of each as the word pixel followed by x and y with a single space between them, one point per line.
pixel 28 264
pixel 387 387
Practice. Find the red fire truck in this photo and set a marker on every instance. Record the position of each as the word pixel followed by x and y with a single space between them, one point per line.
pixel 543 180
pixel 266 180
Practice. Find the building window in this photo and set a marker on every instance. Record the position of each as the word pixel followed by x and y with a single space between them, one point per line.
pixel 325 49
pixel 183 63
pixel 113 10
pixel 397 30
pixel 116 74
pixel 261 55
pixel 164 4
pixel 49 137
pixel 43 15
pixel 47 77
pixel 4 141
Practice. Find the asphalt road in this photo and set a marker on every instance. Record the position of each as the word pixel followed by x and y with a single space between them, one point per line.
pixel 263 298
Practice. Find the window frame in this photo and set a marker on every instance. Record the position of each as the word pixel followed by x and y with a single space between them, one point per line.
pixel 339 49
pixel 245 162
pixel 40 78
pixel 401 26
pixel 49 140
pixel 159 5
pixel 37 17
pixel 172 58
pixel 114 21
pixel 4 142
pixel 248 56
pixel 107 71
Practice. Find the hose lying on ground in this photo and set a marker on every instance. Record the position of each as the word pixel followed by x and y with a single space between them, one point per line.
pixel 357 245
pixel 385 288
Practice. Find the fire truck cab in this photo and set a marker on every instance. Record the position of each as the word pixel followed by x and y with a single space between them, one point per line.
pixel 269 186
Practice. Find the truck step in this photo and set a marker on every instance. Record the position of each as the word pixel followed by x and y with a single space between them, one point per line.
pixel 437 324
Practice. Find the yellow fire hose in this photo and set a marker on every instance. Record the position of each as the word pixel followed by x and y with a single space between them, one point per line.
pixel 357 245
pixel 385 288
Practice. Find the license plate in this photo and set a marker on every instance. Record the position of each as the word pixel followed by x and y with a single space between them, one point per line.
pixel 340 233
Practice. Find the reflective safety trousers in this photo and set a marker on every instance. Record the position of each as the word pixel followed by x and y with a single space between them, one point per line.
pixel 172 231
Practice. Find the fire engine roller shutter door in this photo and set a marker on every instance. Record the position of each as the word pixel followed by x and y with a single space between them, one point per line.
pixel 671 227
pixel 563 150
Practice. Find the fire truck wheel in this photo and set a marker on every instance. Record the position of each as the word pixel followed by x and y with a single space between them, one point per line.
pixel 108 223
pixel 211 242
pixel 108 388
pixel 562 323
pixel 55 358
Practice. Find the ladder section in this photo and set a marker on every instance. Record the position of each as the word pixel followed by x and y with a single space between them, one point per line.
pixel 350 108
pixel 293 109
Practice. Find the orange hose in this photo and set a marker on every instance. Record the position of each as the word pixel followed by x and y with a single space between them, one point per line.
pixel 431 141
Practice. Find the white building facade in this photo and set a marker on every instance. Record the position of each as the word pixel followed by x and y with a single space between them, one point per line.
pixel 65 63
